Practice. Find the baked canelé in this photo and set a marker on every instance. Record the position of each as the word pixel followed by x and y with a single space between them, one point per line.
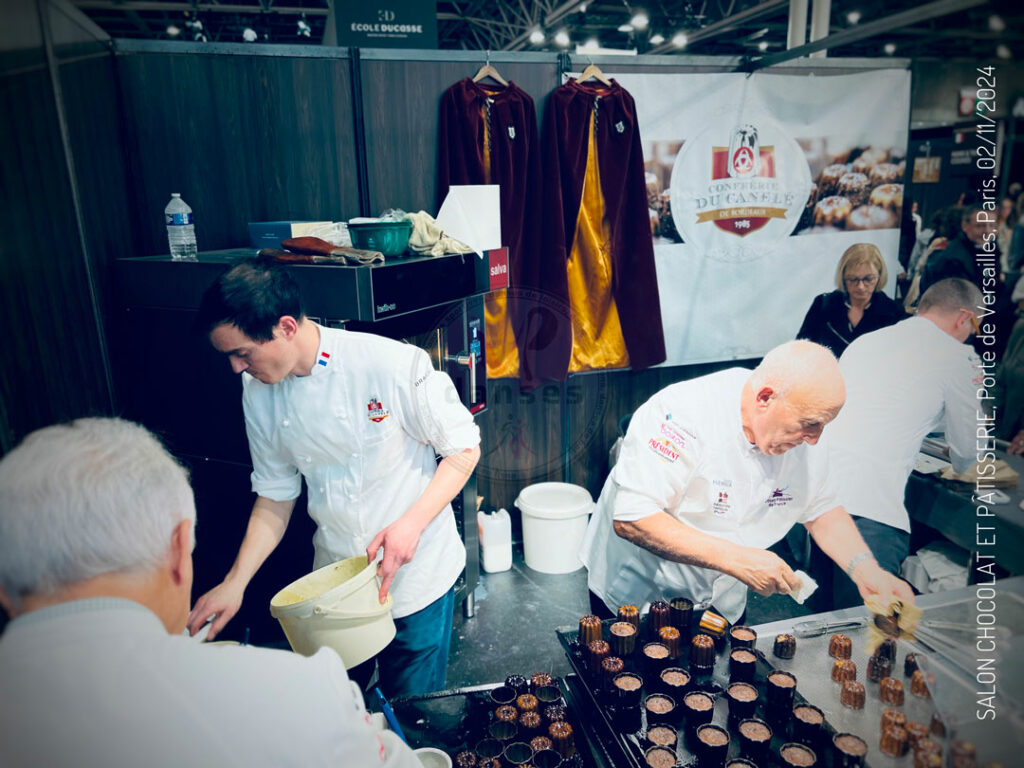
pixel 937 726
pixel 713 624
pixel 892 716
pixel 927 760
pixel 742 664
pixel 506 713
pixel 702 652
pixel 830 176
pixel 658 616
pixel 854 186
pixel 852 695
pixel 539 679
pixel 527 702
pixel 871 217
pixel 843 670
pixel 840 646
pixel 878 667
pixel 832 211
pixel 631 614
pixel 623 638
pixel 884 173
pixel 517 683
pixel 590 630
pixel 887 649
pixel 888 196
pixel 927 746
pixel 915 732
pixel 561 737
pixel 465 759
pixel 554 712
pixel 785 646
pixel 610 667
pixel 919 684
pixel 529 724
pixel 963 753
pixel 754 737
pixel 670 636
pixel 537 743
pixel 890 691
pixel 894 741
pixel 599 650
pixel 742 637
pixel 850 750
pixel 797 755
pixel 910 664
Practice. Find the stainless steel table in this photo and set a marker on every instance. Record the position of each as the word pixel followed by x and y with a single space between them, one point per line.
pixel 956 692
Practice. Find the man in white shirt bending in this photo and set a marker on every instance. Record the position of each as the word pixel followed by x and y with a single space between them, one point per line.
pixel 96 524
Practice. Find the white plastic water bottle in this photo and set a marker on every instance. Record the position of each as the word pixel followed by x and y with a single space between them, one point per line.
pixel 181 234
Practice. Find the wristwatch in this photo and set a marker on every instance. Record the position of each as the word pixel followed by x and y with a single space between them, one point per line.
pixel 857 560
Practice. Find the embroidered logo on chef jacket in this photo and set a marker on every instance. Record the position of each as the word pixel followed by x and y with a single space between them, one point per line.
pixel 721 506
pixel 664 449
pixel 512 132
pixel 325 358
pixel 620 126
pixel 779 498
pixel 377 412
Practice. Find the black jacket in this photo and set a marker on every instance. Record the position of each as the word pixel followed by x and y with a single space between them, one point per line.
pixel 828 324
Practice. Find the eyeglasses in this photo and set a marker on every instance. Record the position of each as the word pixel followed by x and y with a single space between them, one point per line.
pixel 866 280
pixel 974 320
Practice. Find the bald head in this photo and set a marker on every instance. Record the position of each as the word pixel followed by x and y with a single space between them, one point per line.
pixel 790 397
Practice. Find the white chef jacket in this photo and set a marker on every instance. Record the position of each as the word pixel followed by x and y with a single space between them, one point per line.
pixel 685 453
pixel 902 382
pixel 362 429
pixel 99 683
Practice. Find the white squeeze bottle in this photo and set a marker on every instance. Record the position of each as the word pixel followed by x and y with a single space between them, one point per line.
pixel 495 540
pixel 181 233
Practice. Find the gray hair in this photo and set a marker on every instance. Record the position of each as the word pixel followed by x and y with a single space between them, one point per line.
pixel 792 365
pixel 86 498
pixel 950 295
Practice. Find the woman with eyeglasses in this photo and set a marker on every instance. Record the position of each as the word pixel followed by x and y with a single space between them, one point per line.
pixel 858 306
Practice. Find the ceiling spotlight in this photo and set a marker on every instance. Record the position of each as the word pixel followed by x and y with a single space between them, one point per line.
pixel 303 27
pixel 173 31
pixel 562 38
pixel 679 40
pixel 592 43
pixel 657 39
pixel 640 21
pixel 996 23
pixel 853 17
pixel 763 45
pixel 537 36
pixel 249 35
pixel 1003 51
pixel 583 7
pixel 627 28
pixel 890 49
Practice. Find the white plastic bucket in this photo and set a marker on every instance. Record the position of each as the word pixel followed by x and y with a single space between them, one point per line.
pixel 554 521
pixel 336 607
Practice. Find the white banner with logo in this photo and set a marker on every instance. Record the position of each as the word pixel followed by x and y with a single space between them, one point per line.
pixel 756 185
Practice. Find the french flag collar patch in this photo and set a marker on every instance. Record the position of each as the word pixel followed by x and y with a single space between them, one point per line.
pixel 324 359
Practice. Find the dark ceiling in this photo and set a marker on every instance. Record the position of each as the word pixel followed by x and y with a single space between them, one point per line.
pixel 991 30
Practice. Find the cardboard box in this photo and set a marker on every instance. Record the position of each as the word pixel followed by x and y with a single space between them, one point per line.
pixel 269 234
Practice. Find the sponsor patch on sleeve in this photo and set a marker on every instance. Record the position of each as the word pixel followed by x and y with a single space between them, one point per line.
pixel 665 449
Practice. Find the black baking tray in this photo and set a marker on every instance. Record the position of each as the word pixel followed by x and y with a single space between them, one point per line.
pixel 626 746
pixel 457 719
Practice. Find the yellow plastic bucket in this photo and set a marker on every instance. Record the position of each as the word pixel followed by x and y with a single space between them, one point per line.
pixel 336 607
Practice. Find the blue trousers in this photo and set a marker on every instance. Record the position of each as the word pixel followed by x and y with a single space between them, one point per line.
pixel 417 659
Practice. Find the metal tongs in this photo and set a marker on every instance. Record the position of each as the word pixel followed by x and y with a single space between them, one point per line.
pixel 818 627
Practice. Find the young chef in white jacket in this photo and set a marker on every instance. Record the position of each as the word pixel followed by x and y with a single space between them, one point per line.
pixel 361 418
pixel 96 524
pixel 711 473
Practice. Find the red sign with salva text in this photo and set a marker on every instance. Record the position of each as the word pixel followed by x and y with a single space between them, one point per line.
pixel 498 268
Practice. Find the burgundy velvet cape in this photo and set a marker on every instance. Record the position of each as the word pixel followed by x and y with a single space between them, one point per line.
pixel 621 166
pixel 515 158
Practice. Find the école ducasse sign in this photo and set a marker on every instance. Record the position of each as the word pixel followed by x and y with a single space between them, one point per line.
pixel 387 24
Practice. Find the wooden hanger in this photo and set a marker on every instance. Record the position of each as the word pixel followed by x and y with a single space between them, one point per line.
pixel 593 72
pixel 488 71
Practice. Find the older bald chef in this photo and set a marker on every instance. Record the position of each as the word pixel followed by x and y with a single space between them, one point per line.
pixel 713 471
pixel 361 419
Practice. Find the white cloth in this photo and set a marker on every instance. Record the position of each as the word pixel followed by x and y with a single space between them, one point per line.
pixel 362 429
pixel 902 382
pixel 685 453
pixel 100 684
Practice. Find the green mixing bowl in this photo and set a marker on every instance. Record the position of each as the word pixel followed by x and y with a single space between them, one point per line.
pixel 388 237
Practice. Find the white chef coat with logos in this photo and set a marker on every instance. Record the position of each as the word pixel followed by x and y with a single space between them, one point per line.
pixel 99 683
pixel 685 454
pixel 902 382
pixel 362 429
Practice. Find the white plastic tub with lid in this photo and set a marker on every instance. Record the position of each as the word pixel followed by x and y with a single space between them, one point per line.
pixel 555 517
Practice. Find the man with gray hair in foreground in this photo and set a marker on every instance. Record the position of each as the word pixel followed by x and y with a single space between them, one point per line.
pixel 711 473
pixel 96 524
